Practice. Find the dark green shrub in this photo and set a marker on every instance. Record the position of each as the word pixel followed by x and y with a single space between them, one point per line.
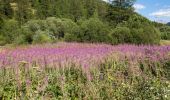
pixel 71 37
pixel 94 30
pixel 122 35
pixel 33 25
pixel 25 36
pixel 142 30
pixel 2 40
pixel 59 27
pixel 55 28
pixel 10 30
pixel 146 35
pixel 41 37
pixel 165 32
pixel 1 23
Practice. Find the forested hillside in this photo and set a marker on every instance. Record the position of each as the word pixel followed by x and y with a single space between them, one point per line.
pixel 41 21
pixel 164 30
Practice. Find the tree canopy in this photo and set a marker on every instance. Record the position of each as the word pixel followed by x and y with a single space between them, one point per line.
pixel 39 21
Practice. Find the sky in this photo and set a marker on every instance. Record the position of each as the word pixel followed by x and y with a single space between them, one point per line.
pixel 155 10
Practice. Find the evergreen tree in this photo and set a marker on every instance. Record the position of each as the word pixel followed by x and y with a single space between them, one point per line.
pixel 24 11
pixel 123 3
pixel 90 6
pixel 102 9
pixel 53 9
pixel 76 9
pixel 43 8
pixel 5 9
pixel 1 22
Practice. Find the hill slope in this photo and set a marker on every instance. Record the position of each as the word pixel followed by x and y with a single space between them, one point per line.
pixel 41 21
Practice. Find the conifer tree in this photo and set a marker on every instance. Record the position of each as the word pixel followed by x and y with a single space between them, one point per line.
pixel 43 8
pixel 76 9
pixel 5 9
pixel 123 3
pixel 24 11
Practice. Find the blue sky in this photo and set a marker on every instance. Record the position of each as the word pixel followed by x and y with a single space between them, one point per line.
pixel 156 10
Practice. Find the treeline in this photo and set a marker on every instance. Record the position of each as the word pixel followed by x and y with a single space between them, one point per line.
pixel 164 30
pixel 41 21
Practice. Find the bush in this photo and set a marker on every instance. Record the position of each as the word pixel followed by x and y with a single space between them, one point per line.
pixel 151 35
pixel 59 27
pixel 165 32
pixel 142 30
pixel 71 38
pixel 41 37
pixel 55 28
pixel 25 37
pixel 122 35
pixel 1 22
pixel 2 40
pixel 33 25
pixel 94 30
pixel 10 31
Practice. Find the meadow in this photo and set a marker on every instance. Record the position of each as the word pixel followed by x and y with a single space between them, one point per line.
pixel 84 71
pixel 165 42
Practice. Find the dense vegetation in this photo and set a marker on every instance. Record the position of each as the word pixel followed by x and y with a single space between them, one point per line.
pixel 53 69
pixel 41 21
pixel 164 30
pixel 73 71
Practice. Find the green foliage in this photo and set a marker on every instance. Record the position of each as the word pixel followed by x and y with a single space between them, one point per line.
pixel 57 29
pixel 2 40
pixel 41 37
pixel 1 23
pixel 6 9
pixel 164 29
pixel 167 70
pixel 111 80
pixel 10 30
pixel 142 30
pixel 77 20
pixel 116 15
pixel 122 35
pixel 123 3
pixel 23 12
pixel 165 32
pixel 26 37
pixel 94 30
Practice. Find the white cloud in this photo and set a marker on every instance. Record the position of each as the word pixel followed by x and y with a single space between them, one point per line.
pixel 139 6
pixel 161 13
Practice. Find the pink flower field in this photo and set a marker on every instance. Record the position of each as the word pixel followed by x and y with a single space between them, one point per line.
pixel 86 55
pixel 66 70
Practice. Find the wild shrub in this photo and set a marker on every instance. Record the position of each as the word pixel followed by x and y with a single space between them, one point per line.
pixel 41 37
pixel 122 35
pixel 94 30
pixel 10 30
pixel 142 30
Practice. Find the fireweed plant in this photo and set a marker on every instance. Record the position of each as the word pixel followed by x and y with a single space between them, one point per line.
pixel 85 71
